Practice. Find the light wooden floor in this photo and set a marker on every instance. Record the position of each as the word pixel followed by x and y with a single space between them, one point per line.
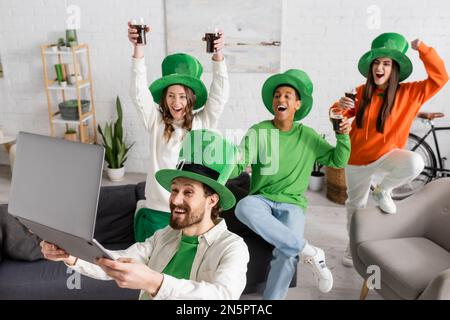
pixel 325 228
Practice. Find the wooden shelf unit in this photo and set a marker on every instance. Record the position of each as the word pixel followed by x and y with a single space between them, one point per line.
pixel 86 119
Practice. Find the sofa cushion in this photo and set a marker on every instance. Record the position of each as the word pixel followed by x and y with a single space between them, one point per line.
pixel 115 214
pixel 239 187
pixel 16 242
pixel 48 280
pixel 140 191
pixel 407 264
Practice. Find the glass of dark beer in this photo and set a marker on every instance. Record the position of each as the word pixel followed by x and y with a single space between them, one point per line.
pixel 351 93
pixel 336 117
pixel 210 38
pixel 140 27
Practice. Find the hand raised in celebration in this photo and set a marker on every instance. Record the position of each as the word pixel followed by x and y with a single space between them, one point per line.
pixel 133 34
pixel 415 44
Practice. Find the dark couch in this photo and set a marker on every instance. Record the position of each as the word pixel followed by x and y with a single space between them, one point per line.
pixel 114 229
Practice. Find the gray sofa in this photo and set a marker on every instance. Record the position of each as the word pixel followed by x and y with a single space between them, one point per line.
pixel 411 248
pixel 114 229
pixel 44 279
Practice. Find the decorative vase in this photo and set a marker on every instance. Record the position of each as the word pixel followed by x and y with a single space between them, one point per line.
pixel 316 181
pixel 116 174
pixel 71 37
pixel 71 136
pixel 69 109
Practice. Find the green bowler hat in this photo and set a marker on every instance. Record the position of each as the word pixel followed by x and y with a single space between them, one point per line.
pixel 391 45
pixel 207 157
pixel 181 68
pixel 295 78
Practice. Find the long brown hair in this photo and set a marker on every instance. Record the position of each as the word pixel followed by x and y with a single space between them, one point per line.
pixel 389 97
pixel 167 117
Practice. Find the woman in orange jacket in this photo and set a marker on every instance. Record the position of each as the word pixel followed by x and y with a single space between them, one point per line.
pixel 384 110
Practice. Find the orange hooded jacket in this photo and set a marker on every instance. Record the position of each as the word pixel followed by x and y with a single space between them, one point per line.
pixel 367 144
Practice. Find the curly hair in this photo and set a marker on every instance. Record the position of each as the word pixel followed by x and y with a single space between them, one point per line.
pixel 167 116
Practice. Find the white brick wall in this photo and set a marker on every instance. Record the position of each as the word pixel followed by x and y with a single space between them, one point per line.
pixel 323 37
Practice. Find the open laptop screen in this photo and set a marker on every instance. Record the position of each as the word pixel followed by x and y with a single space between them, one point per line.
pixel 56 183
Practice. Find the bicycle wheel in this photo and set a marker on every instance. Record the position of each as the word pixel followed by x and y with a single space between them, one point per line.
pixel 427 154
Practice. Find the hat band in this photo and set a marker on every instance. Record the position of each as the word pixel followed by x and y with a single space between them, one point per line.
pixel 199 169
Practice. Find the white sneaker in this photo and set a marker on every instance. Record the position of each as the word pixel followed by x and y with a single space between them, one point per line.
pixel 347 259
pixel 384 200
pixel 320 270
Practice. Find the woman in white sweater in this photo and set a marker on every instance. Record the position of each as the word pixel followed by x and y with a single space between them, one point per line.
pixel 167 112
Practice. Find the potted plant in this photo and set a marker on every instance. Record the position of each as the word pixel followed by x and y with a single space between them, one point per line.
pixel 116 149
pixel 53 47
pixel 71 42
pixel 71 135
pixel 317 177
pixel 61 44
pixel 71 37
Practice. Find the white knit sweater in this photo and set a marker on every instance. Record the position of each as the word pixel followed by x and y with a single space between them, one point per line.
pixel 163 154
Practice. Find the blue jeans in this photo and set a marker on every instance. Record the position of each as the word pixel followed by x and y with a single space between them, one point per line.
pixel 282 225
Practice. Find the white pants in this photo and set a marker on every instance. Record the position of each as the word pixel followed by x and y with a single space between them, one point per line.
pixel 397 167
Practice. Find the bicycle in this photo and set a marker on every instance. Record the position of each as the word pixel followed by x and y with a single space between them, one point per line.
pixel 434 163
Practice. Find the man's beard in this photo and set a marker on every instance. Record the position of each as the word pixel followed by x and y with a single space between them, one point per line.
pixel 187 219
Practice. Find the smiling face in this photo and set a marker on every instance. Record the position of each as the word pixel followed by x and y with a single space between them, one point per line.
pixel 176 101
pixel 285 103
pixel 381 71
pixel 188 203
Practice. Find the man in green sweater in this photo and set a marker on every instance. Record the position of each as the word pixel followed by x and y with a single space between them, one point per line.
pixel 281 153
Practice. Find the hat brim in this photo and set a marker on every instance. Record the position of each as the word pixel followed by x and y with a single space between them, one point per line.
pixel 404 62
pixel 197 86
pixel 166 176
pixel 279 79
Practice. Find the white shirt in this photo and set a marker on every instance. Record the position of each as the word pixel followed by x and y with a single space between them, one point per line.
pixel 164 155
pixel 218 271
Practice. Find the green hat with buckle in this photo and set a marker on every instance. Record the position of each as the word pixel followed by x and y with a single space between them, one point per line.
pixel 391 45
pixel 184 69
pixel 295 78
pixel 207 157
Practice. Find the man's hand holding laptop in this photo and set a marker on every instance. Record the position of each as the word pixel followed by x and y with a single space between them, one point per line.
pixel 127 272
pixel 52 252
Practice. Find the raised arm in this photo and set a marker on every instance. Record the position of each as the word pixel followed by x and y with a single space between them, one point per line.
pixel 140 94
pixel 336 157
pixel 219 90
pixel 423 90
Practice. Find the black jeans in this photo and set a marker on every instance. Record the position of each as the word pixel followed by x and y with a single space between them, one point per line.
pixel 16 241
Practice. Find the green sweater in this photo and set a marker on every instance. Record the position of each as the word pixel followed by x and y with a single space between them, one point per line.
pixel 282 161
pixel 181 264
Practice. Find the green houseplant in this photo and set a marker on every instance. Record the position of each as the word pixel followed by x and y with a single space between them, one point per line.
pixel 317 175
pixel 71 134
pixel 116 149
pixel 61 44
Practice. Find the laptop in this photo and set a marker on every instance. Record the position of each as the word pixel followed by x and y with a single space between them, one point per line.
pixel 54 192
